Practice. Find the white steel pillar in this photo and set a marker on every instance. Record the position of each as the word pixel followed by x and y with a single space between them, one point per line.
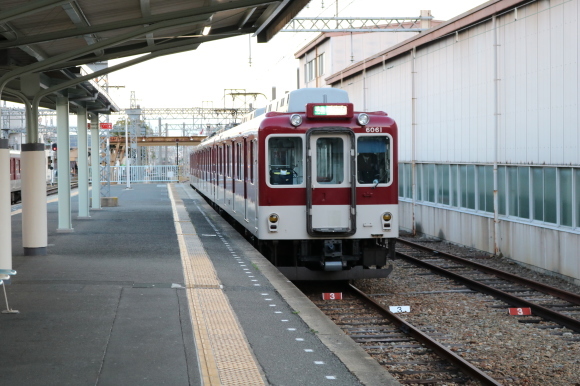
pixel 63 157
pixel 5 217
pixel 95 166
pixel 34 216
pixel 496 113
pixel 413 137
pixel 83 177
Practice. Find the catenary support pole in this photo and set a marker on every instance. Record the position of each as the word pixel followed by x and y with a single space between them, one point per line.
pixel 83 164
pixel 127 159
pixel 64 166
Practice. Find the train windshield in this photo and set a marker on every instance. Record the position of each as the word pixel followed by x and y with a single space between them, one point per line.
pixel 373 160
pixel 285 160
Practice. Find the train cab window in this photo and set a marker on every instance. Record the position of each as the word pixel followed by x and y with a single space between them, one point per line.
pixel 329 160
pixel 285 161
pixel 373 160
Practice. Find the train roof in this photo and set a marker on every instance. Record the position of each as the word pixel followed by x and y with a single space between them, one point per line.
pixel 295 101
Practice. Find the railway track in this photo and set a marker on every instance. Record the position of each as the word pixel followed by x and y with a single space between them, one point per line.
pixel 550 303
pixel 412 355
pixel 52 190
pixel 481 346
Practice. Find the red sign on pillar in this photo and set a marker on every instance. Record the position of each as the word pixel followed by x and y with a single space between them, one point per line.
pixel 106 126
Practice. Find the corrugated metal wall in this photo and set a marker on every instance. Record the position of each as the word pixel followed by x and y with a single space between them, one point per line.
pixel 538 68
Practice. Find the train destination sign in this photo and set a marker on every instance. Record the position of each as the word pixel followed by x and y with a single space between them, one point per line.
pixel 330 110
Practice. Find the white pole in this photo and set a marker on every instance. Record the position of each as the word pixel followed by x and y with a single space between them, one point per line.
pixel 95 163
pixel 64 169
pixel 494 30
pixel 5 210
pixel 83 163
pixel 127 160
pixel 413 138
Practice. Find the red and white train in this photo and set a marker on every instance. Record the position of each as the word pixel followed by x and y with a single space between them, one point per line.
pixel 16 178
pixel 313 182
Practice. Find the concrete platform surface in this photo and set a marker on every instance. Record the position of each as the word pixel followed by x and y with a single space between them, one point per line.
pixel 109 304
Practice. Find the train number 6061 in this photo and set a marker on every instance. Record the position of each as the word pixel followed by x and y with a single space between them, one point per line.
pixel 374 129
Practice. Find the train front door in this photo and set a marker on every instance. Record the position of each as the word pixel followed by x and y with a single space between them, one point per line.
pixel 331 182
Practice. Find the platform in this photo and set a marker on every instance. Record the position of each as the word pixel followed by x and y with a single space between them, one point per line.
pixel 161 291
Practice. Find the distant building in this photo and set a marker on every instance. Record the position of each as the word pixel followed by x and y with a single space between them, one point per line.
pixel 331 52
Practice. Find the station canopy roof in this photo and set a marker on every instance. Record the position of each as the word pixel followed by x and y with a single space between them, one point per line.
pixel 48 40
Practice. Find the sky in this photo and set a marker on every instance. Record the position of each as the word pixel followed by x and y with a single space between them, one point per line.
pixel 201 78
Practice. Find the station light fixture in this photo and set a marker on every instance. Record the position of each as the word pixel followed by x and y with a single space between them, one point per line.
pixel 206 30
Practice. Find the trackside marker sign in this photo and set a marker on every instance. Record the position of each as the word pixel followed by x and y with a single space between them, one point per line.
pixel 332 296
pixel 520 311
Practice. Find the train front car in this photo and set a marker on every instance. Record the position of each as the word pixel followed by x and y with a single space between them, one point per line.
pixel 328 196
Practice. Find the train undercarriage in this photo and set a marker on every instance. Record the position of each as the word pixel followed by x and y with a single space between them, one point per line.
pixel 329 259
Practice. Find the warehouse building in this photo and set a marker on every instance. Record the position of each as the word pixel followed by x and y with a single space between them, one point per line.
pixel 487 101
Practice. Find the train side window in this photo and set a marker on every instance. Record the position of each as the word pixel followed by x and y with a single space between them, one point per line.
pixel 228 161
pixel 221 160
pixel 240 165
pixel 250 156
pixel 373 160
pixel 285 160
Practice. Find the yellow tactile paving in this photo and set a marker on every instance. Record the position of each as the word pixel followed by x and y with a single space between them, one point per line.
pixel 224 355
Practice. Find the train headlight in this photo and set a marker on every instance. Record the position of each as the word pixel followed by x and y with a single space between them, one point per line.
pixel 295 120
pixel 273 222
pixel 387 217
pixel 363 119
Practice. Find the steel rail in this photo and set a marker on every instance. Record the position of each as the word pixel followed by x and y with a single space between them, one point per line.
pixel 437 347
pixel 546 313
pixel 562 294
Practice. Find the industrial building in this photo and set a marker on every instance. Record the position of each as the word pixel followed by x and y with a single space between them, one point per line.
pixel 486 102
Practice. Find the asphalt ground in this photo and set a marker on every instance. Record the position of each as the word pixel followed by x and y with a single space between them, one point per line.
pixel 100 309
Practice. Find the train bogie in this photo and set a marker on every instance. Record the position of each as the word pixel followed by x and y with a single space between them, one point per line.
pixel 312 182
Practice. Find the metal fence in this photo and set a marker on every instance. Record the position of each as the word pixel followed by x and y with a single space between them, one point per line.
pixel 141 174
